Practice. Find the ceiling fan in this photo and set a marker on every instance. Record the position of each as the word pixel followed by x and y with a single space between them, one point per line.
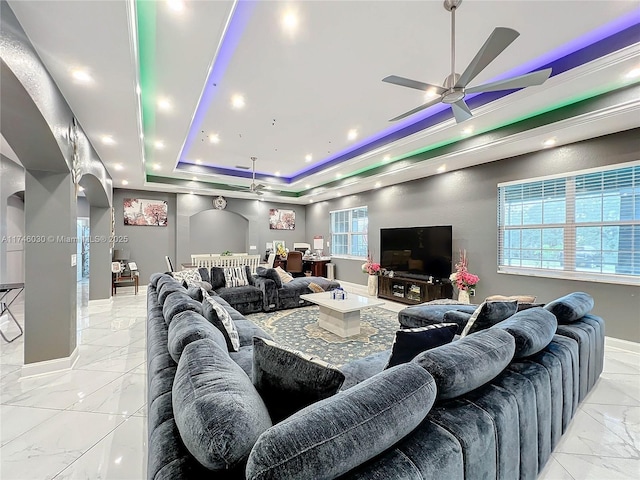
pixel 254 187
pixel 455 85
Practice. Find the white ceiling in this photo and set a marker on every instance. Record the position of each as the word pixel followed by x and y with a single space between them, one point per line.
pixel 305 89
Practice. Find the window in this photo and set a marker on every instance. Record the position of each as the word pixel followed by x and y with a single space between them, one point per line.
pixel 584 226
pixel 349 232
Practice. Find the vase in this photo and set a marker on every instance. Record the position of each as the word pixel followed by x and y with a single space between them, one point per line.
pixel 372 285
pixel 463 296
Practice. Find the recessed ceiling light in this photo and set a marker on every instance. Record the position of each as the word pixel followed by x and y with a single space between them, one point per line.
pixel 195 179
pixel 467 131
pixel 549 143
pixel 198 161
pixel 190 193
pixel 164 104
pixel 290 21
pixel 441 169
pixel 308 157
pixel 353 134
pixel 156 166
pixel 237 101
pixel 141 136
pixel 81 75
pixel 159 145
pixel 214 138
pixel 125 182
pixel 307 185
pixel 311 200
pixel 633 73
pixel 338 175
pixel 268 187
pixel 378 184
pixel 118 166
pixel 138 90
pixel 176 5
pixel 338 194
pixel 277 174
pixel 386 158
pixel 81 188
pixel 108 140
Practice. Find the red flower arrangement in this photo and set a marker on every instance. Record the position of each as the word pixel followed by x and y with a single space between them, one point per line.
pixel 462 279
pixel 370 267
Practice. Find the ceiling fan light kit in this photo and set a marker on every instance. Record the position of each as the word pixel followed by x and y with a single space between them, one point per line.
pixel 454 87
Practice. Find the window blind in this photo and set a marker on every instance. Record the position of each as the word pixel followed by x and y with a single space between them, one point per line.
pixel 585 225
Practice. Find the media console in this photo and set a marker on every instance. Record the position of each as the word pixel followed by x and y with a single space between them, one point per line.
pixel 412 290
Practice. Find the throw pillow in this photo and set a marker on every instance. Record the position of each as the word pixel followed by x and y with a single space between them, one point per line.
pixel 285 277
pixel 190 275
pixel 220 318
pixel 289 380
pixel 315 288
pixel 409 342
pixel 488 314
pixel 271 274
pixel 235 277
pixel 519 298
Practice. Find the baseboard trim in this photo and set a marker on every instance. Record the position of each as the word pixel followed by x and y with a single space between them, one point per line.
pixel 622 344
pixel 101 301
pixel 49 366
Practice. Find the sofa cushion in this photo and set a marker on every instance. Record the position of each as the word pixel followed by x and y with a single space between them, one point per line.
pixel 468 363
pixel 187 327
pixel 177 302
pixel 220 318
pixel 457 317
pixel 153 279
pixel 289 380
pixel 217 409
pixel 285 277
pixel 196 293
pixel 216 278
pixel 315 288
pixel 488 314
pixel 409 342
pixel 506 298
pixel 571 307
pixel 428 314
pixel 271 274
pixel 532 329
pixel 367 419
pixel 189 275
pixel 235 277
pixel 167 289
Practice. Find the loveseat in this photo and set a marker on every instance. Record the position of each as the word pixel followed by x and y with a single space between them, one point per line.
pixel 490 405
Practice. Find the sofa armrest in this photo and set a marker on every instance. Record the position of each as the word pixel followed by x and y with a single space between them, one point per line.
pixel 269 292
pixel 457 317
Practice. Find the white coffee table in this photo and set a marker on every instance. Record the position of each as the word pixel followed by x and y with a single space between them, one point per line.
pixel 341 317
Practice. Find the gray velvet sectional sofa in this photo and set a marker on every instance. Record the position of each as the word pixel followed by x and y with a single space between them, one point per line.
pixel 266 291
pixel 491 405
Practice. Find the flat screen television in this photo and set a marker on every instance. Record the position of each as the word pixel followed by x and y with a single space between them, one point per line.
pixel 417 251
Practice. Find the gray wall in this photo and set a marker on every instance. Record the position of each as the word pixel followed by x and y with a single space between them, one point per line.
pixel 147 245
pixel 258 233
pixel 467 200
pixel 11 220
pixel 205 228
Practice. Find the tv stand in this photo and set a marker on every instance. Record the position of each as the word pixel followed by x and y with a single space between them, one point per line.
pixel 411 290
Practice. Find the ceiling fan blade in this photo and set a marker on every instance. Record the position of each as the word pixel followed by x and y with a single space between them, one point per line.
pixel 499 39
pixel 416 110
pixel 461 111
pixel 522 81
pixel 406 82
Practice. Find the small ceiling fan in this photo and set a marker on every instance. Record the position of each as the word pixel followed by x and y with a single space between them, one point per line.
pixel 455 85
pixel 254 187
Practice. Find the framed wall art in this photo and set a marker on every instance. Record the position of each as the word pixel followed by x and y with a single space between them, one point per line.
pixel 282 219
pixel 141 212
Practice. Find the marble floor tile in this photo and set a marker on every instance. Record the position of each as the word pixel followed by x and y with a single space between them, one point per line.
pixel 121 455
pixel 124 396
pixel 65 390
pixel 16 420
pixel 589 467
pixel 621 361
pixel 119 338
pixel 121 359
pixel 622 420
pixel 54 444
pixel 586 436
pixel 554 471
pixel 615 389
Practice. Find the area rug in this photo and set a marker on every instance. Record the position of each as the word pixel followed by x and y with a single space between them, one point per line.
pixel 298 328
